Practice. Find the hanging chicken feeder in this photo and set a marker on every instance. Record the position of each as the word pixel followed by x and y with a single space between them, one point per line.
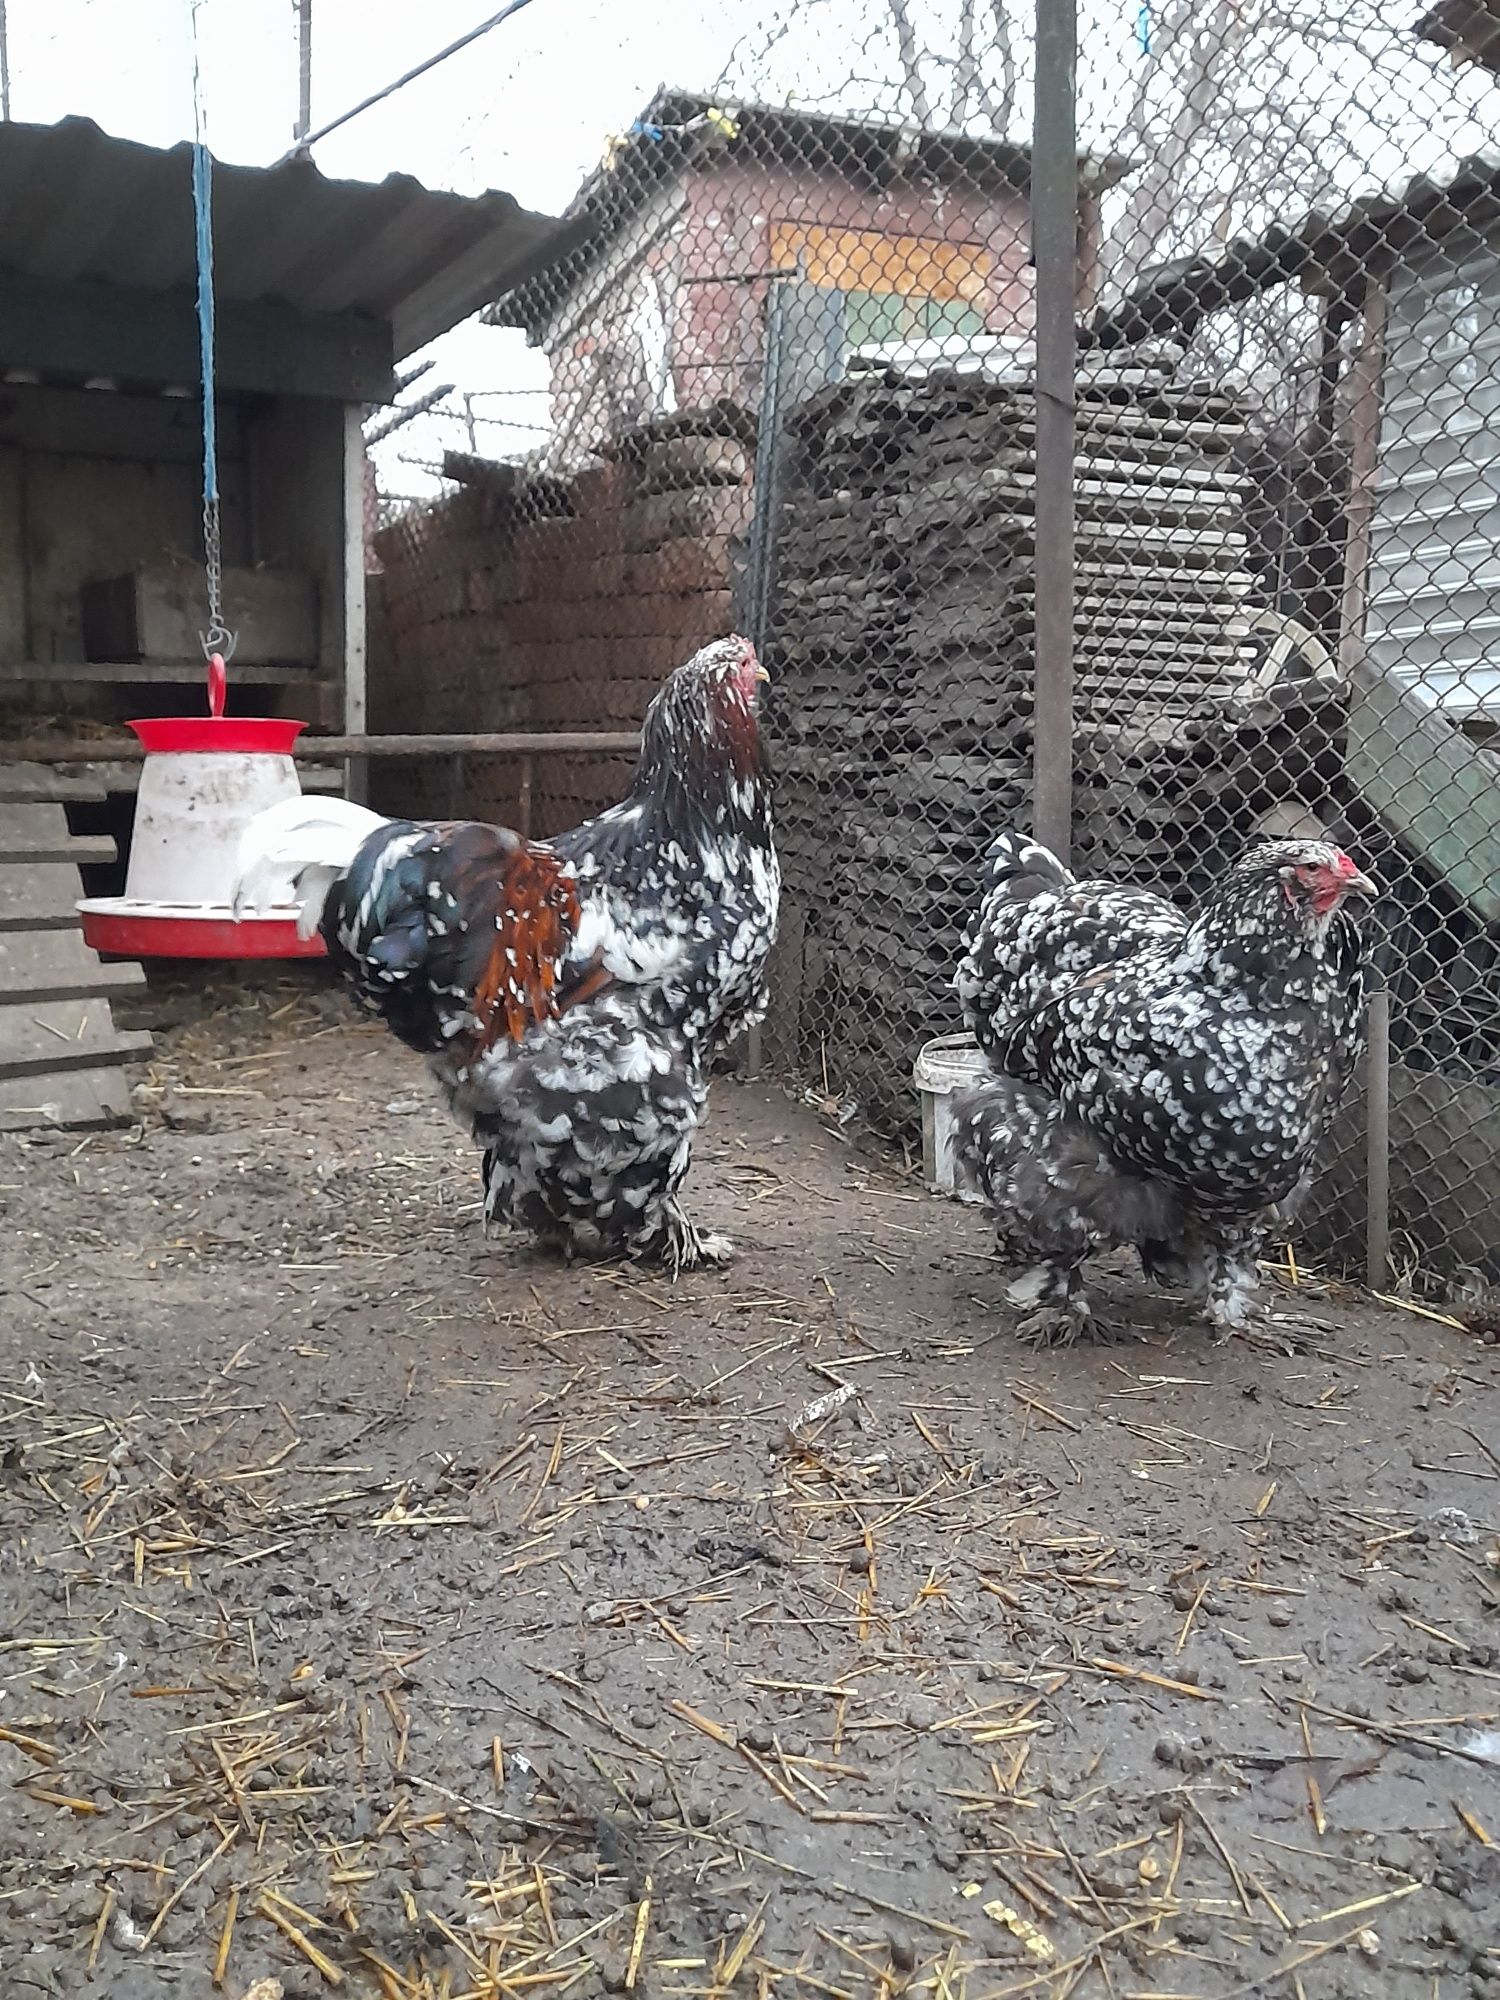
pixel 203 780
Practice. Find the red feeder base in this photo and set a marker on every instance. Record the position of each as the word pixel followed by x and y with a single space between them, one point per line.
pixel 154 930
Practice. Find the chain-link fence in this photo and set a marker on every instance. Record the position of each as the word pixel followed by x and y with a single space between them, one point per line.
pixel 793 352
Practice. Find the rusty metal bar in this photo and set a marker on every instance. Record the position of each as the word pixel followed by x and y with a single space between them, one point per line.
pixel 1054 247
pixel 494 743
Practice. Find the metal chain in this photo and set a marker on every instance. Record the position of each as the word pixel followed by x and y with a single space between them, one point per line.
pixel 217 638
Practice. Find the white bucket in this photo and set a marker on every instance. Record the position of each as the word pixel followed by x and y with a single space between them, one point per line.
pixel 942 1067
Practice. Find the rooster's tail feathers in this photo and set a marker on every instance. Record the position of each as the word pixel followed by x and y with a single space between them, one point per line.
pixel 294 852
pixel 1024 868
pixel 534 900
pixel 430 916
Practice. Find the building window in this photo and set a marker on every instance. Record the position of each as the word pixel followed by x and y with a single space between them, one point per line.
pixel 876 318
pixel 896 288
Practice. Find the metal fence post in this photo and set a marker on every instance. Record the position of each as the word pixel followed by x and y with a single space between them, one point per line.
pixel 1054 241
pixel 761 563
pixel 1378 1143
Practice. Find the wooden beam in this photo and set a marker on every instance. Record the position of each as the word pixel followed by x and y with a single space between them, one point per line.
pixel 130 334
pixel 88 423
pixel 42 1038
pixel 153 673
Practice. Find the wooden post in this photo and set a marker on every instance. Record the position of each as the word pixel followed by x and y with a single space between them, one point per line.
pixel 356 772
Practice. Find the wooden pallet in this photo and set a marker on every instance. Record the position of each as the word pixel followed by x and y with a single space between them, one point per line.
pixel 62 1060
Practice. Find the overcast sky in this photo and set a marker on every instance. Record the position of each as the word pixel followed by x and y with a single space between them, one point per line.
pixel 529 108
pixel 526 109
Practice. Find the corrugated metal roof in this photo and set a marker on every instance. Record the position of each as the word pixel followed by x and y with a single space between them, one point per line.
pixel 1468 29
pixel 1345 244
pixel 79 205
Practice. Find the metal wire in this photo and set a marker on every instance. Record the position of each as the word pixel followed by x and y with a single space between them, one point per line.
pixel 307 140
pixel 794 386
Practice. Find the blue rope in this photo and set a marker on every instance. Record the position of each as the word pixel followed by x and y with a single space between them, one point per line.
pixel 203 221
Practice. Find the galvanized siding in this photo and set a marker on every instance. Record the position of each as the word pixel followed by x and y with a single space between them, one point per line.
pixel 1434 595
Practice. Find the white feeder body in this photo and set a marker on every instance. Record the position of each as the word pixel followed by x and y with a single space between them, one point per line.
pixel 203 780
pixel 191 809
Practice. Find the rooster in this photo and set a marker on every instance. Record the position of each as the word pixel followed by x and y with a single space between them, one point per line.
pixel 569 995
pixel 1160 1079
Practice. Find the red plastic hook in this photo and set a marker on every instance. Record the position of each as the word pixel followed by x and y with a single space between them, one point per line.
pixel 218 685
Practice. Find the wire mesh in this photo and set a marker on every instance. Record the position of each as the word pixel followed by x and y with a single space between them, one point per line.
pixel 792 364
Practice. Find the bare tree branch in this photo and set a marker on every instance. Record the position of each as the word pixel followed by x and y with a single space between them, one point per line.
pixel 966 70
pixel 911 61
pixel 1005 48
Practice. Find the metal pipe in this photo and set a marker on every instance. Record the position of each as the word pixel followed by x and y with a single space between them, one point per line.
pixel 765 498
pixel 1378 1143
pixel 765 510
pixel 1054 244
pixel 406 411
pixel 495 743
pixel 310 139
pixel 304 72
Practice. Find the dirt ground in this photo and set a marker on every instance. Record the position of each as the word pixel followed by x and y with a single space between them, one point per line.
pixel 388 1609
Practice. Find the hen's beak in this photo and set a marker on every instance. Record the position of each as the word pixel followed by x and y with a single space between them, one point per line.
pixel 1361 885
pixel 760 672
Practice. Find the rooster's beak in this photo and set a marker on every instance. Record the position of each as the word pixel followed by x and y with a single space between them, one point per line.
pixel 760 672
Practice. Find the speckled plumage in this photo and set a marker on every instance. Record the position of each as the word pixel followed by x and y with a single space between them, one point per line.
pixel 569 994
pixel 1203 1055
pixel 1039 930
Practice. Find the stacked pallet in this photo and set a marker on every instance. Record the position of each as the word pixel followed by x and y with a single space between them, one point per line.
pixel 61 1057
pixel 903 658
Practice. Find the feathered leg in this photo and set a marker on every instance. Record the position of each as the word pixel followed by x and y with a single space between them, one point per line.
pixel 506 1207
pixel 1168 1264
pixel 1061 1313
pixel 670 1238
pixel 1056 1197
pixel 1232 1284
pixel 588 1132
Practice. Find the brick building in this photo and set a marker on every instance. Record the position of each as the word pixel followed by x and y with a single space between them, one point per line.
pixel 880 234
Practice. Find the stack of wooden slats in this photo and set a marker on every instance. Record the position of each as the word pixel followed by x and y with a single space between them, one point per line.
pixel 903 659
pixel 61 1056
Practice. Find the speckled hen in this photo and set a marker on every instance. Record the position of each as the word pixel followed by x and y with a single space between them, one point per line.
pixel 1161 1079
pixel 568 994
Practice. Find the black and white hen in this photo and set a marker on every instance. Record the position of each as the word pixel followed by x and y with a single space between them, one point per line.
pixel 1161 1079
pixel 568 994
